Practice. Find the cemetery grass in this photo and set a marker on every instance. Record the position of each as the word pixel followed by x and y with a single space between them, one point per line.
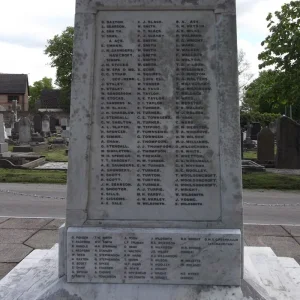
pixel 250 155
pixel 33 176
pixel 271 181
pixel 57 155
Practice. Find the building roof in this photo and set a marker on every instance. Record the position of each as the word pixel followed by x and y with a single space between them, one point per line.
pixel 50 99
pixel 13 83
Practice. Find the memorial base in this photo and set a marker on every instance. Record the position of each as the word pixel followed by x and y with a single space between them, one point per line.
pixel 266 277
pixel 3 147
pixel 153 256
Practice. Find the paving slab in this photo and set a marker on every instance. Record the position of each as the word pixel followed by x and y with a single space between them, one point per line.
pixel 3 219
pixel 43 239
pixel 55 224
pixel 5 268
pixel 54 166
pixel 293 230
pixel 22 223
pixel 282 246
pixel 265 230
pixel 13 253
pixel 15 236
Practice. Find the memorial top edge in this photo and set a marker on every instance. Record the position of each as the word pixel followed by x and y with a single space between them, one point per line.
pixel 92 6
pixel 83 230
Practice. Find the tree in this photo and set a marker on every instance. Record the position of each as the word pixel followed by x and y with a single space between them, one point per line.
pixel 60 50
pixel 36 89
pixel 282 50
pixel 261 94
pixel 244 73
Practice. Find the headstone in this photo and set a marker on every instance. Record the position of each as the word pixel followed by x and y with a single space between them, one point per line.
pixel 265 146
pixel 154 184
pixel 37 123
pixel 255 129
pixel 3 145
pixel 288 144
pixel 46 125
pixel 53 122
pixel 24 130
pixel 65 134
pixel 15 130
pixel 64 123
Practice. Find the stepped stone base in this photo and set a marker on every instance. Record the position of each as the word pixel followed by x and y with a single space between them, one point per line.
pixel 266 277
pixel 3 147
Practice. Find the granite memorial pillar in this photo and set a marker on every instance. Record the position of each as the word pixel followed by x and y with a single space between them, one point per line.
pixel 154 182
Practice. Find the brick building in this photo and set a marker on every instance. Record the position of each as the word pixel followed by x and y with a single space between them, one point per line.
pixel 14 87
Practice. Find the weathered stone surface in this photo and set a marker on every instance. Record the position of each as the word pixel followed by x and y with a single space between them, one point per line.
pixel 43 239
pixel 3 219
pixel 55 224
pixel 155 124
pixel 5 268
pixel 2 129
pixel 37 123
pixel 288 144
pixel 13 253
pixel 293 230
pixel 15 236
pixel 265 145
pixel 25 223
pixel 24 130
pixel 262 230
pixel 282 246
pixel 46 124
pixel 36 279
pixel 156 256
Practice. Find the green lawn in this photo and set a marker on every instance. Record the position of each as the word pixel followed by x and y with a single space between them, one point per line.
pixel 57 154
pixel 250 180
pixel 271 181
pixel 33 176
pixel 250 154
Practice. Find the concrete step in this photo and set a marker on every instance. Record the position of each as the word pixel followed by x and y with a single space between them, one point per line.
pixel 38 269
pixel 270 274
pixel 292 267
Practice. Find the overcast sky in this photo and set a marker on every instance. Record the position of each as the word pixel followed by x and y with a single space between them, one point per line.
pixel 25 27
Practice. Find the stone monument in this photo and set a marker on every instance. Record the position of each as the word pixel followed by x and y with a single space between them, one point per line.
pixel 53 122
pixel 24 130
pixel 288 144
pixel 46 125
pixel 265 146
pixel 37 123
pixel 154 184
pixel 3 145
pixel 154 205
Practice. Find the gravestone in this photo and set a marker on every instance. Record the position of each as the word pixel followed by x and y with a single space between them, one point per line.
pixel 154 182
pixel 46 125
pixel 288 144
pixel 37 123
pixel 53 122
pixel 255 129
pixel 64 123
pixel 3 145
pixel 265 146
pixel 24 130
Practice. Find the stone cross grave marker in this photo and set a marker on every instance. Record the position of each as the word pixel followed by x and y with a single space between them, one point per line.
pixel 154 184
pixel 3 145
pixel 265 146
pixel 24 130
pixel 288 144
pixel 37 123
pixel 45 124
